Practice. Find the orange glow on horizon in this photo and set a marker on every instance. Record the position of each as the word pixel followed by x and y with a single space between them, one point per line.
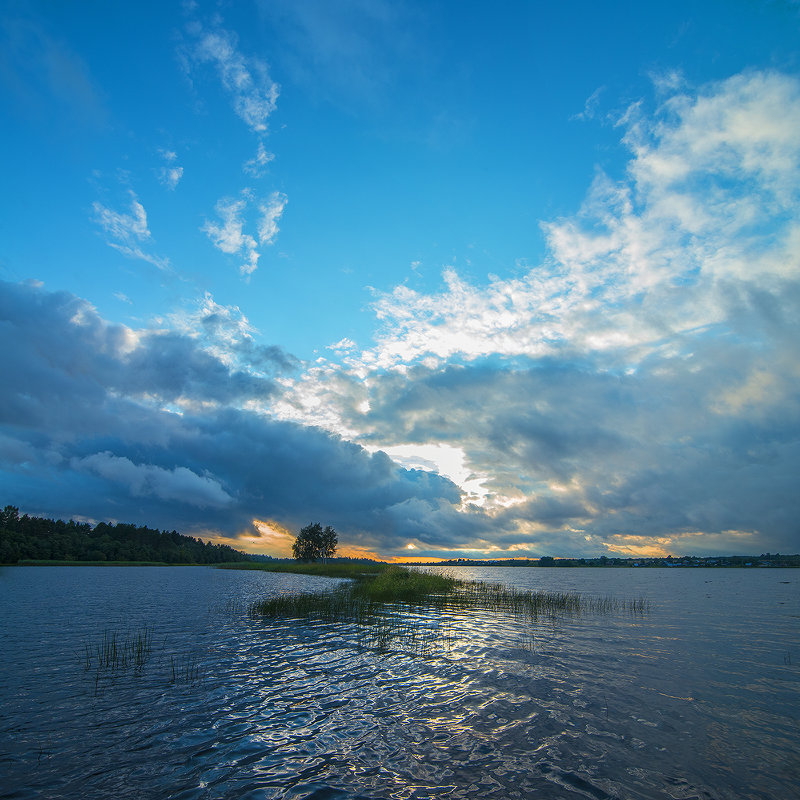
pixel 265 538
pixel 641 546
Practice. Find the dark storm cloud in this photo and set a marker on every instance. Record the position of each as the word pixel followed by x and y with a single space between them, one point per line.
pixel 85 432
pixel 706 439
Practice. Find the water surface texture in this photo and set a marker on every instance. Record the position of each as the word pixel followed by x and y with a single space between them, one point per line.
pixel 697 699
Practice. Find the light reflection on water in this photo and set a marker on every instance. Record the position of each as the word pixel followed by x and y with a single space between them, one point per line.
pixel 697 699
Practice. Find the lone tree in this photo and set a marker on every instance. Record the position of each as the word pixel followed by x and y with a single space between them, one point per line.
pixel 313 542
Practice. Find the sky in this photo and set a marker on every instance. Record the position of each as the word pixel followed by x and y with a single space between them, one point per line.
pixel 460 279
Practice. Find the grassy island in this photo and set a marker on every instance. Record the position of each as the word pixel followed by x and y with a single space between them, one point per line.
pixel 387 600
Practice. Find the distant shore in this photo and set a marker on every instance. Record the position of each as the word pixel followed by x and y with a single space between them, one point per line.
pixel 348 569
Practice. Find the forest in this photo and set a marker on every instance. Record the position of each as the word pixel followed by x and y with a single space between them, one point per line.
pixel 25 538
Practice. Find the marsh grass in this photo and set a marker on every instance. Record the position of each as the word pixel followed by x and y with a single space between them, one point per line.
pixel 386 606
pixel 128 653
pixel 117 652
pixel 184 669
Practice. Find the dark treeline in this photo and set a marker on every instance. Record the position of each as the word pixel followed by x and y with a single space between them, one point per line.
pixel 39 539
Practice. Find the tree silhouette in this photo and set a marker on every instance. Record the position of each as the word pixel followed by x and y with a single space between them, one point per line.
pixel 313 543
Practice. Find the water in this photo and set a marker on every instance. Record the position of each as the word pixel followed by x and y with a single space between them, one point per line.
pixel 697 699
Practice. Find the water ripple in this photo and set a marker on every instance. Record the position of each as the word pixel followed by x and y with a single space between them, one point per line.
pixel 596 707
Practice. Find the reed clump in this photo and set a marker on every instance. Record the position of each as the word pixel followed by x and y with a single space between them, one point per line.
pixel 117 652
pixel 184 669
pixel 535 605
pixel 385 605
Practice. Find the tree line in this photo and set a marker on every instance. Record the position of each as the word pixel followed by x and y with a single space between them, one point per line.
pixel 36 538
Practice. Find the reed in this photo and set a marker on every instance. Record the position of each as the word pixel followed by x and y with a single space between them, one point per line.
pixel 118 652
pixel 184 669
pixel 386 606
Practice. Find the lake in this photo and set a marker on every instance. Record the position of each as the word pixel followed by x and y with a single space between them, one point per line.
pixel 698 698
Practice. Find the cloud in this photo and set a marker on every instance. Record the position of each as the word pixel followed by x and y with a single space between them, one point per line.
pixel 170 176
pixel 271 212
pixel 126 232
pixel 226 333
pixel 229 234
pixel 124 227
pixel 635 392
pixel 710 197
pixel 149 425
pixel 179 484
pixel 253 93
pixel 257 165
pixel 590 106
pixel 643 380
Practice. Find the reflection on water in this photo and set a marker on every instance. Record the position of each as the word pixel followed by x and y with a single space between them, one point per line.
pixel 697 699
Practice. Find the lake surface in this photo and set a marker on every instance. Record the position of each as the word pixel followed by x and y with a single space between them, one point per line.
pixel 699 698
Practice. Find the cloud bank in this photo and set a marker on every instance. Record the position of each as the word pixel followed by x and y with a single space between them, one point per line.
pixel 153 425
pixel 636 392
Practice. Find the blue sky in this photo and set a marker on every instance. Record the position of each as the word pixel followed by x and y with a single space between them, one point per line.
pixel 461 279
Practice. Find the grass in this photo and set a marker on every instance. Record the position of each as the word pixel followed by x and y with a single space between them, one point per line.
pixel 362 598
pixel 184 669
pixel 384 605
pixel 116 652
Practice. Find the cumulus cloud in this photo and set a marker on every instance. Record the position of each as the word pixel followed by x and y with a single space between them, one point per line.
pixel 149 425
pixel 638 389
pixel 127 232
pixel 170 176
pixel 227 334
pixel 637 392
pixel 710 196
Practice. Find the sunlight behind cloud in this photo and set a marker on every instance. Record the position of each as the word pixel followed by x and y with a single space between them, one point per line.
pixel 507 316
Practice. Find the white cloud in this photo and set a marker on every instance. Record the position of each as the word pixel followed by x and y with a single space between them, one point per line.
pixel 711 195
pixel 124 227
pixel 651 356
pixel 257 165
pixel 246 80
pixel 170 176
pixel 342 345
pixel 590 106
pixel 229 236
pixel 127 231
pixel 271 212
